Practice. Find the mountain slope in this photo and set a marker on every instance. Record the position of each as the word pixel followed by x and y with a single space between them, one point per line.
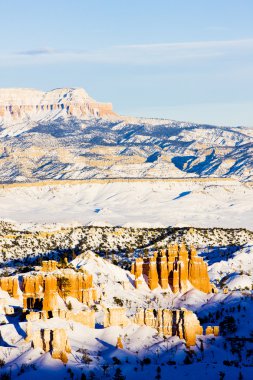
pixel 65 134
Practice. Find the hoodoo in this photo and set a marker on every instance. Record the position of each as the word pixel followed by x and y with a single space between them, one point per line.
pixel 174 268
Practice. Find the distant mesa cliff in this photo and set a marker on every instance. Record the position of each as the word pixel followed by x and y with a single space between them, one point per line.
pixel 18 103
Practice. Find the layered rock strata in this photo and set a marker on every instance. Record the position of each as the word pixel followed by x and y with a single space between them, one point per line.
pixel 19 103
pixel 174 268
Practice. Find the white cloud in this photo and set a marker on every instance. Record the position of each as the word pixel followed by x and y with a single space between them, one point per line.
pixel 136 54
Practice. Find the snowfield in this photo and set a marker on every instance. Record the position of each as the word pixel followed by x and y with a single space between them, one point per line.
pixel 200 203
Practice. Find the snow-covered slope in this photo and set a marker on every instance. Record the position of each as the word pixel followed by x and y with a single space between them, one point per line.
pixel 65 134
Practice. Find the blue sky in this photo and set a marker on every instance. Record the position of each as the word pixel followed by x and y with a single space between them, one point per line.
pixel 181 59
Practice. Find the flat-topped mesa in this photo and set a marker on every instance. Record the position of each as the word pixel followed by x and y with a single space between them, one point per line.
pixel 19 103
pixel 40 291
pixel 174 268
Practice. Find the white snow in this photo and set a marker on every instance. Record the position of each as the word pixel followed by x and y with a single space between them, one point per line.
pixel 226 203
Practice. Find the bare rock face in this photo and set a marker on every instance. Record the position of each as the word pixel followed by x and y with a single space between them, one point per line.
pixel 115 316
pixel 10 285
pixel 49 266
pixel 182 323
pixel 60 345
pixel 212 330
pixel 77 285
pixel 198 272
pixel 19 103
pixel 54 341
pixel 33 291
pixel 50 293
pixel 41 291
pixel 173 267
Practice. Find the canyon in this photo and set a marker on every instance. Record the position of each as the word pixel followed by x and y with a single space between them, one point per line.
pixel 125 242
pixel 169 304
pixel 43 294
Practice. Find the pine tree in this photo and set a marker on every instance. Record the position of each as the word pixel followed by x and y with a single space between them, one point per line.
pixel 118 375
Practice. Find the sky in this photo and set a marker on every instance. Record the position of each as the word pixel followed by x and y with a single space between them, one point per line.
pixel 189 60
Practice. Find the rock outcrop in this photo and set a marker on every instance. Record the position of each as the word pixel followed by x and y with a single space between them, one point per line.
pixel 115 316
pixel 182 323
pixel 49 266
pixel 119 343
pixel 173 268
pixel 10 285
pixel 54 341
pixel 212 330
pixel 198 272
pixel 85 317
pixel 41 290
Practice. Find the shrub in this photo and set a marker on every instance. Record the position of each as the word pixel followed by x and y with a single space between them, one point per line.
pixel 146 361
pixel 118 301
pixel 116 361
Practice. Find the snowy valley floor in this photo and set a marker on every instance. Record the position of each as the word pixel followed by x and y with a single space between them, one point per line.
pixel 202 203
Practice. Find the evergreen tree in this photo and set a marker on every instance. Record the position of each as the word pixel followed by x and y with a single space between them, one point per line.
pixel 118 375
